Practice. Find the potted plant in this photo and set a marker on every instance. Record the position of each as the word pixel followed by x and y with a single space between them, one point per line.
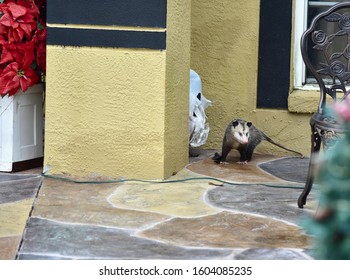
pixel 22 71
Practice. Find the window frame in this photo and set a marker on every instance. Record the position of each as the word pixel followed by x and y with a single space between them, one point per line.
pixel 300 26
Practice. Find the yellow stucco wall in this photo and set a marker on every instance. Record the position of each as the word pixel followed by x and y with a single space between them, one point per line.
pixel 120 112
pixel 224 52
pixel 104 111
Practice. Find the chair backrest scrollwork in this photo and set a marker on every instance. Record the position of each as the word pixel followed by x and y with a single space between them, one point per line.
pixel 325 48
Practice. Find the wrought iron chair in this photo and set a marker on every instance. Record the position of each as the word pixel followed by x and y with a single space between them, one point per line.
pixel 325 49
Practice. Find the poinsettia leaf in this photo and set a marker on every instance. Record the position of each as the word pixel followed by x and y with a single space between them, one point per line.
pixel 27 29
pixel 39 25
pixel 34 65
pixel 6 56
pixel 24 83
pixel 6 20
pixel 17 10
pixel 8 83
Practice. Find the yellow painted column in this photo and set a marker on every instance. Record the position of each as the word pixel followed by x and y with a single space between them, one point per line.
pixel 177 86
pixel 117 89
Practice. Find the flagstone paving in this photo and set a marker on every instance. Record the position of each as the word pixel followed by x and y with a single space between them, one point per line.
pixel 228 230
pixel 266 200
pixel 87 204
pixel 173 199
pixel 236 212
pixel 17 193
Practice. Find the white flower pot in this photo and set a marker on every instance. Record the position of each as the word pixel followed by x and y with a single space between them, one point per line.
pixel 21 130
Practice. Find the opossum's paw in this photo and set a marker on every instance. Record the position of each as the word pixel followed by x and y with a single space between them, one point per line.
pixel 242 162
pixel 216 158
pixel 223 162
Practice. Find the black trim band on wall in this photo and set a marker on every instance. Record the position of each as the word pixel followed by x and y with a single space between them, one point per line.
pixel 144 13
pixel 274 53
pixel 77 37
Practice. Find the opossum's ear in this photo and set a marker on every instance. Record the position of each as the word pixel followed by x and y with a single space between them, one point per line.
pixel 234 123
pixel 249 124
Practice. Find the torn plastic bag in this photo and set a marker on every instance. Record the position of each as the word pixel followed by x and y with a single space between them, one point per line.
pixel 198 126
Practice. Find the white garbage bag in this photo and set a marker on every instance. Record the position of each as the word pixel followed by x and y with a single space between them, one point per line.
pixel 198 127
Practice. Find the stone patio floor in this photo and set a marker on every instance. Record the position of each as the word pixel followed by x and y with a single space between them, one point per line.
pixel 242 212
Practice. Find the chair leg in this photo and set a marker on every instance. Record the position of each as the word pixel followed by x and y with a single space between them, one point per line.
pixel 315 147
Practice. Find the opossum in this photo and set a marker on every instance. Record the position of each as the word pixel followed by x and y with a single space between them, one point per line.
pixel 244 137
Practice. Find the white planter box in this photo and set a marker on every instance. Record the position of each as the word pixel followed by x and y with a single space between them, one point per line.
pixel 21 130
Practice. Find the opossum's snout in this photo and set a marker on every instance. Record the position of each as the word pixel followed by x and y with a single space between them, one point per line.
pixel 242 137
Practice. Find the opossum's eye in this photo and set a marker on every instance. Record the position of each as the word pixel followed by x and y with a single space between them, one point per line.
pixel 247 134
pixel 240 134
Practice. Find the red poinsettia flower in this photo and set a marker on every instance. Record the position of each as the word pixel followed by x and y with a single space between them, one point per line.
pixel 23 53
pixel 19 20
pixel 40 41
pixel 22 44
pixel 14 77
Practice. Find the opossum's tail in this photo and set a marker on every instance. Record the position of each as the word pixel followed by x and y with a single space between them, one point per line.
pixel 268 139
